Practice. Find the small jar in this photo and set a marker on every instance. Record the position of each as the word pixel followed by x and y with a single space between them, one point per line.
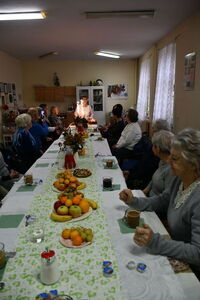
pixel 49 268
pixel 2 256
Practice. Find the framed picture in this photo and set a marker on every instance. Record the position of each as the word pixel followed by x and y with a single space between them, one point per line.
pixel 189 71
pixel 118 91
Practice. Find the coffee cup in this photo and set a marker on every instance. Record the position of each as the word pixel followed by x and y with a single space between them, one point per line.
pixel 132 218
pixel 109 163
pixel 107 183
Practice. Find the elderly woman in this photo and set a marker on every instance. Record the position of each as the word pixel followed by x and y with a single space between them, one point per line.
pixel 162 178
pixel 130 136
pixel 37 130
pixel 24 143
pixel 53 117
pixel 181 202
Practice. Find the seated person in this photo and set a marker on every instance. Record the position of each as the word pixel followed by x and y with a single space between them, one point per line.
pixel 54 119
pixel 180 201
pixel 130 136
pixel 162 177
pixel 24 143
pixel 84 110
pixel 114 129
pixel 141 174
pixel 37 130
pixel 7 177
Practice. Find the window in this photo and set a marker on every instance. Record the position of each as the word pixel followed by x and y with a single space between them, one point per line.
pixel 144 90
pixel 164 95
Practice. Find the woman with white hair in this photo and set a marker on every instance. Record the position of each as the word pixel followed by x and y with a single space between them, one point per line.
pixel 162 178
pixel 181 202
pixel 24 143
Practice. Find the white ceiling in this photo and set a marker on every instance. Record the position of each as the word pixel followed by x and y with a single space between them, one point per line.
pixel 67 31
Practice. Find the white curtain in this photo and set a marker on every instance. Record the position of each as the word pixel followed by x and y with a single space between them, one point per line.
pixel 144 90
pixel 164 95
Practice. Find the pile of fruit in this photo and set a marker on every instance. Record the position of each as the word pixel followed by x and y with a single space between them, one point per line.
pixel 71 205
pixel 77 236
pixel 65 180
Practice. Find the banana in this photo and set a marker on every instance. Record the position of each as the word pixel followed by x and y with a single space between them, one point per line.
pixel 59 218
pixel 92 203
pixel 81 186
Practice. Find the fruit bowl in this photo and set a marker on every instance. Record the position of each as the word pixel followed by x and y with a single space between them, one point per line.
pixel 67 218
pixel 68 243
pixel 76 237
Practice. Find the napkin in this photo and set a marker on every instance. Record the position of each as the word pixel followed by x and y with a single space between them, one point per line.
pixel 10 221
pixel 124 228
pixel 52 151
pixel 42 165
pixel 26 188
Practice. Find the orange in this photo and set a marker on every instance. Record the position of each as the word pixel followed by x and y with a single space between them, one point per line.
pixel 73 179
pixel 56 184
pixel 61 180
pixel 84 205
pixel 66 233
pixel 77 240
pixel 66 181
pixel 63 199
pixel 76 200
pixel 73 234
pixel 68 202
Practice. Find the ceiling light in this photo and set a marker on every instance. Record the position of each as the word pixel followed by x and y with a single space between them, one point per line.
pixel 32 15
pixel 48 54
pixel 100 53
pixel 120 14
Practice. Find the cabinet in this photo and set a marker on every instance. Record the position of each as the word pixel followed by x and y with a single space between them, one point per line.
pixel 54 93
pixel 96 98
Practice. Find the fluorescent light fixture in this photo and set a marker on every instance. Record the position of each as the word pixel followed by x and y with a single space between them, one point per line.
pixel 149 13
pixel 112 55
pixel 32 15
pixel 190 54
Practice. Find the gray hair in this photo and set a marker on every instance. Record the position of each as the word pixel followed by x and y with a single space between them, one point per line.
pixel 163 140
pixel 160 124
pixel 23 120
pixel 188 142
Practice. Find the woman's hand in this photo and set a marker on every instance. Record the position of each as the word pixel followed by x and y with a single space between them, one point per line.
pixel 126 196
pixel 143 235
pixel 146 191
pixel 114 147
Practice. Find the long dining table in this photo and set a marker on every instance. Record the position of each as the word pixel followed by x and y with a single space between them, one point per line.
pixel 81 268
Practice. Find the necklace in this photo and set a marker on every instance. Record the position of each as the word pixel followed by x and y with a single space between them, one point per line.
pixel 183 195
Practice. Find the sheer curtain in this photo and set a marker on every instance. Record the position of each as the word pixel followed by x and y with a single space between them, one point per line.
pixel 144 90
pixel 164 95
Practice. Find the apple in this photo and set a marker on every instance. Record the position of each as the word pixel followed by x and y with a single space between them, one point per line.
pixel 56 205
pixel 62 210
pixel 75 211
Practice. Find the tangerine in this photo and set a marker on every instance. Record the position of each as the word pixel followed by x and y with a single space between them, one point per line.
pixel 77 240
pixel 61 180
pixel 84 205
pixel 63 199
pixel 76 200
pixel 73 234
pixel 73 179
pixel 66 181
pixel 68 202
pixel 66 233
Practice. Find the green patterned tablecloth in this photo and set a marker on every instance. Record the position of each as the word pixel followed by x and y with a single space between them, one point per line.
pixel 81 269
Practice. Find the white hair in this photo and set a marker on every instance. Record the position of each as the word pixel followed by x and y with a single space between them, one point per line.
pixel 163 140
pixel 23 120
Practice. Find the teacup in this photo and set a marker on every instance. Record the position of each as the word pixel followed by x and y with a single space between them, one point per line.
pixel 107 183
pixel 132 218
pixel 2 256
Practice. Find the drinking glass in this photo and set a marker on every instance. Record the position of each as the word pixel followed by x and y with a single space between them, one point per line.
pixel 36 231
pixel 107 183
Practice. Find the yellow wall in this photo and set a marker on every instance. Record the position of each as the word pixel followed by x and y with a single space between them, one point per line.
pixel 71 73
pixel 187 103
pixel 10 72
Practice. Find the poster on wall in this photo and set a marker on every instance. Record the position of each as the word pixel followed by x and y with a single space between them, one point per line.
pixel 118 91
pixel 189 71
